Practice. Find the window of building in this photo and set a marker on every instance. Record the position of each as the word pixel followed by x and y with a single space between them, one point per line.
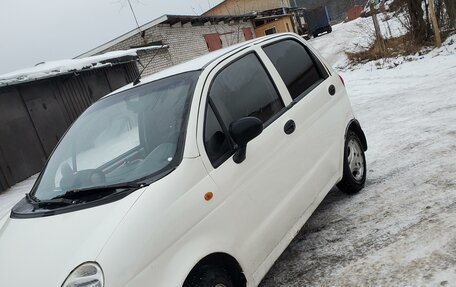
pixel 248 34
pixel 298 67
pixel 213 41
pixel 270 31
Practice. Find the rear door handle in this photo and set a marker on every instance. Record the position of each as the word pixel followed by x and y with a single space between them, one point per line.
pixel 289 127
pixel 332 90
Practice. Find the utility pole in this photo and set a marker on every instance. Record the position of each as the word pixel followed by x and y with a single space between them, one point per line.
pixel 435 25
pixel 378 32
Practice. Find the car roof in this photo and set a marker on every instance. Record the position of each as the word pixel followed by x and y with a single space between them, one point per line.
pixel 201 62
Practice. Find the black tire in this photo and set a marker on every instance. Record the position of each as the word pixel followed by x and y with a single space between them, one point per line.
pixel 329 30
pixel 354 178
pixel 315 35
pixel 209 276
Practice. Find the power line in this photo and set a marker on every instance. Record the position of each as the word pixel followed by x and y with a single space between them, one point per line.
pixel 134 15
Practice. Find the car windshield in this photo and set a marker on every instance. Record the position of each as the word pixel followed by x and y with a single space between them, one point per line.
pixel 122 138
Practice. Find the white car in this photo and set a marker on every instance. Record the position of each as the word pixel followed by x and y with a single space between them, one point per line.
pixel 199 175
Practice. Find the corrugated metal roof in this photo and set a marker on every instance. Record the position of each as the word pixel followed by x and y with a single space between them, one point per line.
pixel 57 68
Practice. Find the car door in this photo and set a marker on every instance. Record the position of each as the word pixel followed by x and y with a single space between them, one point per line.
pixel 318 111
pixel 256 192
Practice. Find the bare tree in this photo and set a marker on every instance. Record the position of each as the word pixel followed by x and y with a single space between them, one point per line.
pixel 450 6
pixel 418 26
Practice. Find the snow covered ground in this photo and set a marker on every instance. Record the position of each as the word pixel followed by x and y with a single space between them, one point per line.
pixel 401 229
pixel 354 36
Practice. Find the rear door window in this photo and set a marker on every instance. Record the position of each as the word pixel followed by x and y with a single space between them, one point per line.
pixel 299 68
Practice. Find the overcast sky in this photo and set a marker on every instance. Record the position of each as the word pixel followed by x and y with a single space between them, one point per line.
pixel 34 31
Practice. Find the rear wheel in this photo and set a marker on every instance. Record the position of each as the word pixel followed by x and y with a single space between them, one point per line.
pixel 354 176
pixel 209 276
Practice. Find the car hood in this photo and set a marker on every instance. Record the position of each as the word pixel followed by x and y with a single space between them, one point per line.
pixel 42 251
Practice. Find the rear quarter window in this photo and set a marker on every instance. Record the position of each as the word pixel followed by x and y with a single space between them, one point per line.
pixel 298 67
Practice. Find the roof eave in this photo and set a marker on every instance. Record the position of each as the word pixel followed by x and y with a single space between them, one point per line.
pixel 123 37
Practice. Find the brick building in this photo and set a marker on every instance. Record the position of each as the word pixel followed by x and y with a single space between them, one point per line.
pixel 183 38
pixel 274 24
pixel 272 16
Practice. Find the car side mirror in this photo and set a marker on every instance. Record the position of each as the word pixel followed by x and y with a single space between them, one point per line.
pixel 242 131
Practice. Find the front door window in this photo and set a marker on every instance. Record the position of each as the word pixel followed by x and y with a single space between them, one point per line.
pixel 242 89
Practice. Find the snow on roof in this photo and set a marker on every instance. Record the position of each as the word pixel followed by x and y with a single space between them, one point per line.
pixel 56 68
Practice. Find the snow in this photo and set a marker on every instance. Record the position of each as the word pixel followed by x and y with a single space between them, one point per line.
pixel 377 6
pixel 54 68
pixel 354 36
pixel 400 230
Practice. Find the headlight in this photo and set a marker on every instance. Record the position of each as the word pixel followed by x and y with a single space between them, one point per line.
pixel 85 275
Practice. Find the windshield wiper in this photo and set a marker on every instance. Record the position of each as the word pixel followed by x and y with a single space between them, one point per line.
pixel 108 189
pixel 51 202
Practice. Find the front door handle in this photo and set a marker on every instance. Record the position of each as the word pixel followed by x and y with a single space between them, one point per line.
pixel 289 127
pixel 332 90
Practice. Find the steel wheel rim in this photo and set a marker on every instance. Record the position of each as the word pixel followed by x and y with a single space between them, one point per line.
pixel 355 160
pixel 220 285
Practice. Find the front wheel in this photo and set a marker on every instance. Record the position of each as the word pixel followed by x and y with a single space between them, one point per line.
pixel 354 174
pixel 209 276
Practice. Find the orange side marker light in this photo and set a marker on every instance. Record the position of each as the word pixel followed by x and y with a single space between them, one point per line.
pixel 208 196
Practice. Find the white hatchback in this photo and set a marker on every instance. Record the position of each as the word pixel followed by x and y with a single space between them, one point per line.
pixel 199 175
